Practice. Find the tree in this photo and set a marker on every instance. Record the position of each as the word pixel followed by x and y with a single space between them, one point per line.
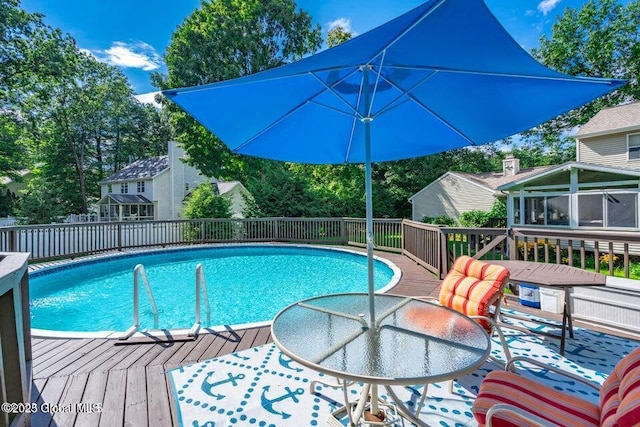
pixel 41 202
pixel 224 39
pixel 602 39
pixel 338 35
pixel 205 202
pixel 30 52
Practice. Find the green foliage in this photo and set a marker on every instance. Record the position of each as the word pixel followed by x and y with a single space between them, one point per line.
pixel 224 39
pixel 499 209
pixel 474 218
pixel 204 202
pixel 41 203
pixel 600 39
pixel 338 35
pixel 440 220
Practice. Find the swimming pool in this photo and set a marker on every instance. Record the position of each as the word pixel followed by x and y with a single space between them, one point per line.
pixel 246 284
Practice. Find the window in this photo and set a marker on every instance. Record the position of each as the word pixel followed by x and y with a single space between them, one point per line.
pixel 590 210
pixel 622 210
pixel 124 188
pixel 140 186
pixel 633 143
pixel 557 210
pixel 516 210
pixel 534 210
pixel 109 188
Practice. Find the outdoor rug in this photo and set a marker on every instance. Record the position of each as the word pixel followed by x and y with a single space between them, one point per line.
pixel 261 387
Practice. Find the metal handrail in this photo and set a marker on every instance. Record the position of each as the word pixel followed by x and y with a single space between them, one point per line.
pixel 201 284
pixel 137 272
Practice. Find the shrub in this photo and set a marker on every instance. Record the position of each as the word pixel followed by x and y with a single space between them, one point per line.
pixel 474 218
pixel 440 220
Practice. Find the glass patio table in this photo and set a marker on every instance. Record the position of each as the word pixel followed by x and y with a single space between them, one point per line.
pixel 410 342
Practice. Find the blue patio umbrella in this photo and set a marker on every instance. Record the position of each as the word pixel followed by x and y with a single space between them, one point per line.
pixel 442 76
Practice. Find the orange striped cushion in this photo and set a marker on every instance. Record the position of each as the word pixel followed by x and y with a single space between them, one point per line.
pixel 472 286
pixel 620 393
pixel 555 406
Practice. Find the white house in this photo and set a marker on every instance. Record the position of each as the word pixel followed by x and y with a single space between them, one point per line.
pixel 155 188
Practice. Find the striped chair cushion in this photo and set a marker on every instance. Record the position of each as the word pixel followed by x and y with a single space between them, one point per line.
pixel 472 287
pixel 620 393
pixel 555 406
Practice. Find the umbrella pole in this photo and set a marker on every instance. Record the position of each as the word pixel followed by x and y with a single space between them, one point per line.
pixel 368 190
pixel 369 222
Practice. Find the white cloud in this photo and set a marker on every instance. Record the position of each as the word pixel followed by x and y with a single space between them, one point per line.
pixel 149 98
pixel 345 23
pixel 546 6
pixel 130 55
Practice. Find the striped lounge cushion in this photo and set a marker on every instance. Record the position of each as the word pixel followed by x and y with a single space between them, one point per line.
pixel 555 406
pixel 620 393
pixel 472 287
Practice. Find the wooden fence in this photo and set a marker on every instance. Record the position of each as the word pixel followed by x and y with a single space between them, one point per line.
pixel 434 247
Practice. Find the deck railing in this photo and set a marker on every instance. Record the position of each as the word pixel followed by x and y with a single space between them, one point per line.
pixel 434 247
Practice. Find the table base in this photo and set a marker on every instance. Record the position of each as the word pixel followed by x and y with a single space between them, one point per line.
pixel 340 417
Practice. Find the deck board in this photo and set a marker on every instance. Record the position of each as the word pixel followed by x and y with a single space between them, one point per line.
pixel 130 381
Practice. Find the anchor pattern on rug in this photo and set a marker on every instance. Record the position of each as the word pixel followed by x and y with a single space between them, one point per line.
pixel 268 403
pixel 261 387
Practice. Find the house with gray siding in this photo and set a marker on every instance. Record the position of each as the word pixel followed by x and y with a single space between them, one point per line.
pixel 457 192
pixel 599 190
pixel 155 189
pixel 611 138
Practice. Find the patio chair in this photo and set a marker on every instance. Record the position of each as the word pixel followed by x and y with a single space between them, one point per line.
pixel 476 288
pixel 508 399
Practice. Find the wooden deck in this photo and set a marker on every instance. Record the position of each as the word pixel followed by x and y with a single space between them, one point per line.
pixel 129 381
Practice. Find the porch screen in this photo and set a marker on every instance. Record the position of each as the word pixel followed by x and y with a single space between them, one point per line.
pixel 622 210
pixel 590 210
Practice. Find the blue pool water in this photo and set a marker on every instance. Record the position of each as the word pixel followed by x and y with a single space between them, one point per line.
pixel 245 284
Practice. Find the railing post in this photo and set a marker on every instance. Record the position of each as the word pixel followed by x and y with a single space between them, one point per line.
pixel 513 245
pixel 444 254
pixel 276 233
pixel 343 231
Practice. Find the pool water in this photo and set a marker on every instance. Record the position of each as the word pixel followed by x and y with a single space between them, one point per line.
pixel 245 284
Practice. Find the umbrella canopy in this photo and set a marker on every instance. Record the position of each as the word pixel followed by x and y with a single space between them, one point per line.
pixel 442 76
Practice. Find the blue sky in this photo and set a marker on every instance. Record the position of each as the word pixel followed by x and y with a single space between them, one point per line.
pixel 133 34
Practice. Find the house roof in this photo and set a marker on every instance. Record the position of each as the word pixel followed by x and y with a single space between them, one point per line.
pixel 21 173
pixel 616 119
pixel 490 181
pixel 551 170
pixel 140 169
pixel 225 187
pixel 128 199
pixel 493 180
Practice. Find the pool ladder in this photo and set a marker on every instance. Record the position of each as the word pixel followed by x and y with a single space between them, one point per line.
pixel 138 272
pixel 201 287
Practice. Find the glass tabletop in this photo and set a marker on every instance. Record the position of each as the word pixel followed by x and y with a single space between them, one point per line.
pixel 411 341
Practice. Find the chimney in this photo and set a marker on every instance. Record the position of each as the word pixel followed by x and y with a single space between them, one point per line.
pixel 510 165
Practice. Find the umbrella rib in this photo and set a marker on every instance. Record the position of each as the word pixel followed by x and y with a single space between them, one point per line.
pixel 336 94
pixel 392 104
pixel 590 80
pixel 411 27
pixel 280 119
pixel 375 86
